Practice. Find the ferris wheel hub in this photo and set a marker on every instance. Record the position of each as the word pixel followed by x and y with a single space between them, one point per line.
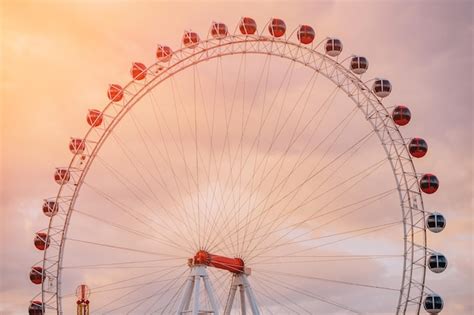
pixel 234 265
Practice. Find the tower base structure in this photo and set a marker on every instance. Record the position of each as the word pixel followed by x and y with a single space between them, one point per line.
pixel 198 290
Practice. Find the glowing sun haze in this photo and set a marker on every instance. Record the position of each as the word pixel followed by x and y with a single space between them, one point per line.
pixel 59 57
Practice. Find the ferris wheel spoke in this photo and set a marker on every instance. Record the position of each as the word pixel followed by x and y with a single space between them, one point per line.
pixel 350 283
pixel 139 285
pixel 189 174
pixel 122 248
pixel 180 150
pixel 125 264
pixel 198 161
pixel 221 283
pixel 133 162
pixel 159 297
pixel 305 293
pixel 212 158
pixel 251 106
pixel 309 177
pixel 171 303
pixel 161 182
pixel 312 175
pixel 278 259
pixel 375 229
pixel 280 162
pixel 309 86
pixel 112 286
pixel 129 230
pixel 187 170
pixel 267 294
pixel 361 204
pixel 135 190
pixel 196 157
pixel 281 218
pixel 232 160
pixel 210 130
pixel 165 288
pixel 268 291
pixel 261 181
pixel 228 119
pixel 365 202
pixel 283 183
pixel 126 183
pixel 132 213
pixel 150 209
pixel 294 240
pixel 257 138
pixel 218 167
pixel 161 271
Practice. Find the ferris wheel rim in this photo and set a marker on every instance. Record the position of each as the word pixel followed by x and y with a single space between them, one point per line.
pixel 229 40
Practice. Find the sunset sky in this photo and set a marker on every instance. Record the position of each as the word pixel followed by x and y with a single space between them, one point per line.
pixel 58 57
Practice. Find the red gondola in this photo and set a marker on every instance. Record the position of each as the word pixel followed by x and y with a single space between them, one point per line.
pixel 219 30
pixel 94 117
pixel 429 183
pixel 277 27
pixel 190 39
pixel 36 308
pixel 77 146
pixel 163 53
pixel 115 93
pixel 41 241
pixel 248 26
pixel 50 208
pixel 62 176
pixel 401 115
pixel 418 147
pixel 305 34
pixel 138 71
pixel 36 275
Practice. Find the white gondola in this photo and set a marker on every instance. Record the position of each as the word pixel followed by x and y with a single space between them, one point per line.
pixel 359 65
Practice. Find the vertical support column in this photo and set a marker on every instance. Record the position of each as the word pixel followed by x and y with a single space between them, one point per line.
pixel 240 281
pixel 242 301
pixel 231 296
pixel 197 295
pixel 210 294
pixel 192 292
pixel 250 295
pixel 186 300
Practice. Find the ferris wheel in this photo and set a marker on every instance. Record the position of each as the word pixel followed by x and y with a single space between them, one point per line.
pixel 250 172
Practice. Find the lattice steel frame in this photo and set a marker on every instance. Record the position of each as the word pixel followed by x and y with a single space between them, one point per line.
pixel 413 279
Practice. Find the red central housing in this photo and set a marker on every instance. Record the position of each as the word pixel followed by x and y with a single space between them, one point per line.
pixel 235 265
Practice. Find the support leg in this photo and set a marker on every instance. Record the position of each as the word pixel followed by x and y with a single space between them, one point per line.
pixel 210 294
pixel 197 295
pixel 242 300
pixel 250 295
pixel 231 297
pixel 188 290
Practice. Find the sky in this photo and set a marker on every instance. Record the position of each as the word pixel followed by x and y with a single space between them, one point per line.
pixel 57 59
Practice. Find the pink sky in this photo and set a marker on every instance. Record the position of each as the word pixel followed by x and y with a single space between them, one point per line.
pixel 58 58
